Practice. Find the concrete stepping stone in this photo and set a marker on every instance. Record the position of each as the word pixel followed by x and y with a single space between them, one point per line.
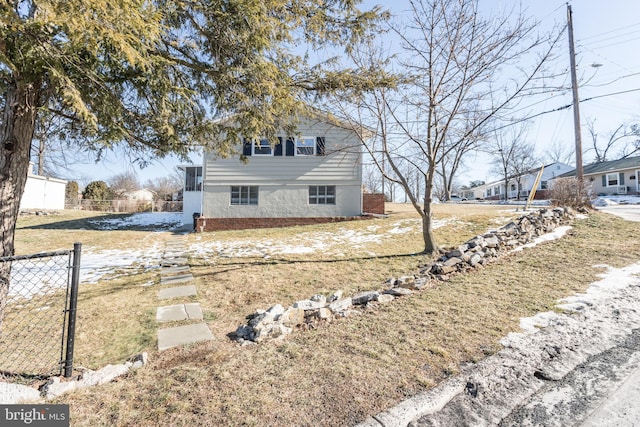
pixel 175 279
pixel 180 291
pixel 173 254
pixel 181 335
pixel 171 313
pixel 169 262
pixel 175 270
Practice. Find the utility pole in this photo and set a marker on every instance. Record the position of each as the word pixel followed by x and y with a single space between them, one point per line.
pixel 576 102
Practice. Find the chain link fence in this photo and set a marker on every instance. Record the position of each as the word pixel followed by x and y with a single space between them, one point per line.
pixel 128 206
pixel 38 296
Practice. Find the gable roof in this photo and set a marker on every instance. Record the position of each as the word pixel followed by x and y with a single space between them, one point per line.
pixel 607 167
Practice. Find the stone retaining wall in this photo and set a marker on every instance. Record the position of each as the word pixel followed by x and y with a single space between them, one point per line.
pixel 278 322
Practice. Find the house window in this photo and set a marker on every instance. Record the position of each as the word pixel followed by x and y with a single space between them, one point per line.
pixel 193 178
pixel 322 195
pixel 612 179
pixel 262 148
pixel 543 185
pixel 244 195
pixel 306 146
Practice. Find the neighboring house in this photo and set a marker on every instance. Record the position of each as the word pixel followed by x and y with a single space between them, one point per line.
pixel 144 194
pixel 41 192
pixel 612 177
pixel 313 177
pixel 524 184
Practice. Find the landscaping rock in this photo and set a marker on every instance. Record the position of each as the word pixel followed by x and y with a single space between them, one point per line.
pixel 406 282
pixel 480 250
pixel 364 297
pixel 341 305
pixel 385 298
pixel 276 311
pixel 335 296
pixel 319 299
pixel 292 317
pixel 398 292
pixel 308 304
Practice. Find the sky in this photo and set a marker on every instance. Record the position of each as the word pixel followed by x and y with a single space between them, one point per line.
pixel 606 34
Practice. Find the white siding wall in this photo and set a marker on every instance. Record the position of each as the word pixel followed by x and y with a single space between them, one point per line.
pixel 191 203
pixel 284 181
pixel 43 193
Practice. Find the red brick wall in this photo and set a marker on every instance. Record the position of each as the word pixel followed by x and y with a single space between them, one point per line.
pixel 219 224
pixel 373 203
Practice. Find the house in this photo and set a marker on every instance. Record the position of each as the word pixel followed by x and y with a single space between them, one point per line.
pixel 612 177
pixel 42 192
pixel 312 177
pixel 143 194
pixel 523 184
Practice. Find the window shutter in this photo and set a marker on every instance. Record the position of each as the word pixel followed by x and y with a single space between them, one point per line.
pixel 246 148
pixel 320 151
pixel 604 180
pixel 290 147
pixel 621 182
pixel 278 148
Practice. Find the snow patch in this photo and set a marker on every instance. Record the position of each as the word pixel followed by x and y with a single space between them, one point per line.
pixel 157 220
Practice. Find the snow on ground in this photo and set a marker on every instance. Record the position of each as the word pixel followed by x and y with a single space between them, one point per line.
pixel 615 200
pixel 310 242
pixel 558 233
pixel 95 264
pixel 158 220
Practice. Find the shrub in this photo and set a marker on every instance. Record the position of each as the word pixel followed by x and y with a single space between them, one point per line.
pixel 569 192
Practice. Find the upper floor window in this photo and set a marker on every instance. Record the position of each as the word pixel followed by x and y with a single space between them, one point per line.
pixel 306 146
pixel 262 148
pixel 193 178
pixel 288 147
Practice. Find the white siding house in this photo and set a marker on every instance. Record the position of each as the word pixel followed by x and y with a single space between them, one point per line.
pixel 41 192
pixel 315 176
pixel 496 190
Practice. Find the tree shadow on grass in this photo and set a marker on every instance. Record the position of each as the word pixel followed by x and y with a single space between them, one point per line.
pixel 234 266
pixel 101 223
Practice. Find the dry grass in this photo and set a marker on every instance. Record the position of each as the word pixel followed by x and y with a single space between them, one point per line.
pixel 338 373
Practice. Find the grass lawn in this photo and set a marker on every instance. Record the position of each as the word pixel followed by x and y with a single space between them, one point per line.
pixel 337 373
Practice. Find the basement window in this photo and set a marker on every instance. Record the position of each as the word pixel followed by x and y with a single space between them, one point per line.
pixel 244 195
pixel 322 195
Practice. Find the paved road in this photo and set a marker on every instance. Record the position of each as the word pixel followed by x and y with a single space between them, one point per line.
pixel 628 212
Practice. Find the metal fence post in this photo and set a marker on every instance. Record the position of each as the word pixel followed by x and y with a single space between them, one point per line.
pixel 73 305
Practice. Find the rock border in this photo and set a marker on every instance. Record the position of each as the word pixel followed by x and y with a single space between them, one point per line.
pixel 11 393
pixel 278 322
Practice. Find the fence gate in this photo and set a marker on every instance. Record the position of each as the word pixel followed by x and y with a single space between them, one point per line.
pixel 38 321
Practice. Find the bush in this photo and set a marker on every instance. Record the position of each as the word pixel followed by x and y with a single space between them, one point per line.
pixel 569 192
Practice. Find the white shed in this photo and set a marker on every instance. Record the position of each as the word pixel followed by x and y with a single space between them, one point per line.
pixel 42 192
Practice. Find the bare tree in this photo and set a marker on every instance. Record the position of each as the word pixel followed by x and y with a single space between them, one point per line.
pixel 454 58
pixel 561 153
pixel 165 187
pixel 620 143
pixel 513 157
pixel 124 183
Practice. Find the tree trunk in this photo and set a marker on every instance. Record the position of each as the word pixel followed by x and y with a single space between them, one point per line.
pixel 430 245
pixel 16 133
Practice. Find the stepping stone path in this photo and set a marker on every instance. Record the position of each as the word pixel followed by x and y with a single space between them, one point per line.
pixel 176 271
